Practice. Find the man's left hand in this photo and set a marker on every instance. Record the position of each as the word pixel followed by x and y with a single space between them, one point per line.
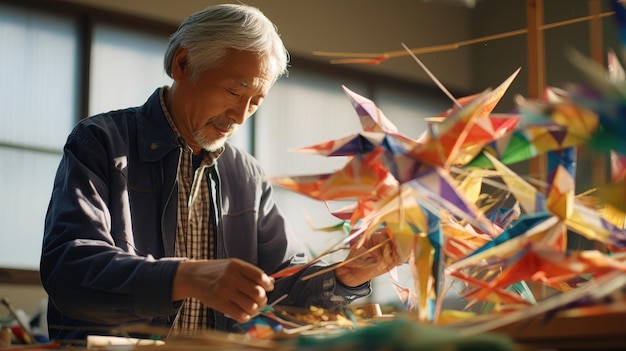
pixel 361 266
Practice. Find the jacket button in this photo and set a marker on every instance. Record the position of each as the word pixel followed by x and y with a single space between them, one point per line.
pixel 153 146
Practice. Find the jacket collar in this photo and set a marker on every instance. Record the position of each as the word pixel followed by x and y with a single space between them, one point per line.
pixel 154 134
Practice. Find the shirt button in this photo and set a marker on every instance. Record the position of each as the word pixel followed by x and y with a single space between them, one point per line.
pixel 153 146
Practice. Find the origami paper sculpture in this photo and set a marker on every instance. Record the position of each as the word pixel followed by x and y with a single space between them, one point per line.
pixel 469 127
pixel 429 194
pixel 547 127
pixel 397 182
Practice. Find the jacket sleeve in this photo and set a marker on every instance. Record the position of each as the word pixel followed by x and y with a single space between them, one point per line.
pixel 323 290
pixel 91 271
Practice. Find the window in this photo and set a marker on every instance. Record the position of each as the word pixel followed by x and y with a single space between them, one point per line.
pixel 126 67
pixel 38 61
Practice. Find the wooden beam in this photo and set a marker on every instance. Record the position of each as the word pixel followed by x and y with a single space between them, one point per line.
pixel 596 47
pixel 535 45
pixel 536 70
pixel 596 39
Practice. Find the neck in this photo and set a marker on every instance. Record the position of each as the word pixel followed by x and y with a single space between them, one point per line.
pixel 185 133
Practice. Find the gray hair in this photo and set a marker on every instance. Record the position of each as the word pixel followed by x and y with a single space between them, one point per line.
pixel 209 34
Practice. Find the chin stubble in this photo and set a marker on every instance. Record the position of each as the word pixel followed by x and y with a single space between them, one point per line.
pixel 213 145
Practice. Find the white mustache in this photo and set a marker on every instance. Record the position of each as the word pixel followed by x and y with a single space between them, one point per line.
pixel 223 124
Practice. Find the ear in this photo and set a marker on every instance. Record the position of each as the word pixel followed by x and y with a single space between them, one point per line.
pixel 180 64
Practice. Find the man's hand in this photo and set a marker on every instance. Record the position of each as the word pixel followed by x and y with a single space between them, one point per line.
pixel 363 265
pixel 232 286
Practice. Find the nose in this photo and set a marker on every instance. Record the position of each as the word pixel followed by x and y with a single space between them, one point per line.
pixel 240 111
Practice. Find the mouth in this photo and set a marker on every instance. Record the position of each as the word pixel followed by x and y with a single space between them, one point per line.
pixel 223 128
pixel 222 131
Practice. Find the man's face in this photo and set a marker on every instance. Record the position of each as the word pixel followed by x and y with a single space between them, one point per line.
pixel 210 109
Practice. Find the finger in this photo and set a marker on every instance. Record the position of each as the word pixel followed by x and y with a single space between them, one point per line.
pixel 257 276
pixel 378 237
pixel 247 305
pixel 240 306
pixel 254 293
pixel 269 282
pixel 233 311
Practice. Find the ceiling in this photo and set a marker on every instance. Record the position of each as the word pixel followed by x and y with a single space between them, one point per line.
pixel 350 26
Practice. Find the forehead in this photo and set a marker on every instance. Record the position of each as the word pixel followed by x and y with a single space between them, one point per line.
pixel 247 69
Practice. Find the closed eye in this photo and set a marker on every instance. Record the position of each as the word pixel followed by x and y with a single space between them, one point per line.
pixel 254 104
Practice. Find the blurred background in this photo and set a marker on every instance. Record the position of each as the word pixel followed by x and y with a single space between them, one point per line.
pixel 61 61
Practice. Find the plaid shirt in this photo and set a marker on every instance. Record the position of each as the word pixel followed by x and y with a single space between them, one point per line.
pixel 194 232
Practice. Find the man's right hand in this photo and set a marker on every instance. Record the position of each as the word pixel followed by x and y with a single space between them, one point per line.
pixel 231 286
